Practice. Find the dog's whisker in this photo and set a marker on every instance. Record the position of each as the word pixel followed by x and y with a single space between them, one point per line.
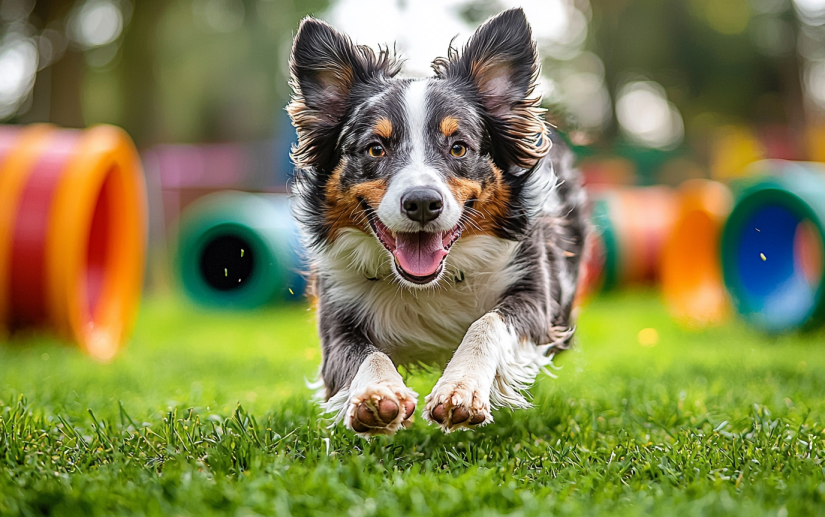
pixel 464 221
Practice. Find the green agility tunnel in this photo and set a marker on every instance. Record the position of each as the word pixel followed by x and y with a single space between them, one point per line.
pixel 239 250
pixel 772 247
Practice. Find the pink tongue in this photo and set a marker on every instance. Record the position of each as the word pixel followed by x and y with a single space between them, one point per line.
pixel 419 254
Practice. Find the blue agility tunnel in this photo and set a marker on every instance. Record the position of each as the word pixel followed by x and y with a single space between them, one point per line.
pixel 772 247
pixel 239 250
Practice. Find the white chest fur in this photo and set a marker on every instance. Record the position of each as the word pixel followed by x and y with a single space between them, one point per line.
pixel 423 325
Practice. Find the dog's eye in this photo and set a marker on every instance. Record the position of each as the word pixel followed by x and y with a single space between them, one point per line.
pixel 376 151
pixel 458 150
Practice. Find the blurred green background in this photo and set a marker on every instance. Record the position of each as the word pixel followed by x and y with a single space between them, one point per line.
pixel 215 70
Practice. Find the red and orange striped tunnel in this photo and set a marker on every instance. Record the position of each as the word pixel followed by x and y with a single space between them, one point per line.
pixel 72 233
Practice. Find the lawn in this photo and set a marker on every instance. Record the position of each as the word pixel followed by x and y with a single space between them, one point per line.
pixel 207 413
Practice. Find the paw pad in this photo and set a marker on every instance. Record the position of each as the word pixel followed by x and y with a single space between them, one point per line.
pixel 381 411
pixel 457 409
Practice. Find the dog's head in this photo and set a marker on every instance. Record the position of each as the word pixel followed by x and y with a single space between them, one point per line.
pixel 417 163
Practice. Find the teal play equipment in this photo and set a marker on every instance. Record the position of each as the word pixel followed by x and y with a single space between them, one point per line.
pixel 239 250
pixel 772 247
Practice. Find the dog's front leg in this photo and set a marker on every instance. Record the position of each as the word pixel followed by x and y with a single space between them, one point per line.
pixel 362 386
pixel 493 365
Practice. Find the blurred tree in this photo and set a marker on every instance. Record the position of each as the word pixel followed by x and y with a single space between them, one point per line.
pixel 175 71
pixel 729 61
pixel 136 70
pixel 207 70
pixel 58 97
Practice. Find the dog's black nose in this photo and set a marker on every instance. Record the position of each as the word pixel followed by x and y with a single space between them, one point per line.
pixel 422 204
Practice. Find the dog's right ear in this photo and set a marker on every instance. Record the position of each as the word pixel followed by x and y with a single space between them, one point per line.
pixel 325 66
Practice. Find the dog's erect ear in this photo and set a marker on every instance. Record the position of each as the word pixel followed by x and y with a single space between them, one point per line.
pixel 325 66
pixel 501 66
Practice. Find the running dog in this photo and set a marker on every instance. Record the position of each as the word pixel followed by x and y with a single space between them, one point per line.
pixel 445 222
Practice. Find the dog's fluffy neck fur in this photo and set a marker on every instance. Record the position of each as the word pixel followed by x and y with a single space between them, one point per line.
pixel 418 325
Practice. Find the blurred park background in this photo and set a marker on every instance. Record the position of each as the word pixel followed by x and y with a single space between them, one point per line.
pixel 673 108
pixel 699 126
pixel 657 97
pixel 654 74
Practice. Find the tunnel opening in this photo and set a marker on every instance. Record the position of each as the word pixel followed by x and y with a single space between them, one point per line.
pixel 226 262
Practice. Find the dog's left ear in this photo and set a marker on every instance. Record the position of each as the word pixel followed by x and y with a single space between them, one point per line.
pixel 500 64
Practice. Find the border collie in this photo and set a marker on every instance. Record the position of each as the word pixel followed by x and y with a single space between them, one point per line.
pixel 445 223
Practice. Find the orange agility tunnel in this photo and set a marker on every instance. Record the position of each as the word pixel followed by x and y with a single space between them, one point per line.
pixel 690 269
pixel 72 233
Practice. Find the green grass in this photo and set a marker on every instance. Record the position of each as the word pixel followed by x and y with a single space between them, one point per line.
pixel 207 413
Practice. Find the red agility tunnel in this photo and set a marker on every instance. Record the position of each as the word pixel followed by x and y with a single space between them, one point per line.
pixel 72 233
pixel 632 225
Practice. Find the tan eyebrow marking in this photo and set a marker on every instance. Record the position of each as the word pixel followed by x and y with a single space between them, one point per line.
pixel 449 125
pixel 383 128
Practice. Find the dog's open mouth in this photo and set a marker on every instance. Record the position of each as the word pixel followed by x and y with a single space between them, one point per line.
pixel 419 256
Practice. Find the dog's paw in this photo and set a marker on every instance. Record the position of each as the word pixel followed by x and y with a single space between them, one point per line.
pixel 456 405
pixel 380 408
